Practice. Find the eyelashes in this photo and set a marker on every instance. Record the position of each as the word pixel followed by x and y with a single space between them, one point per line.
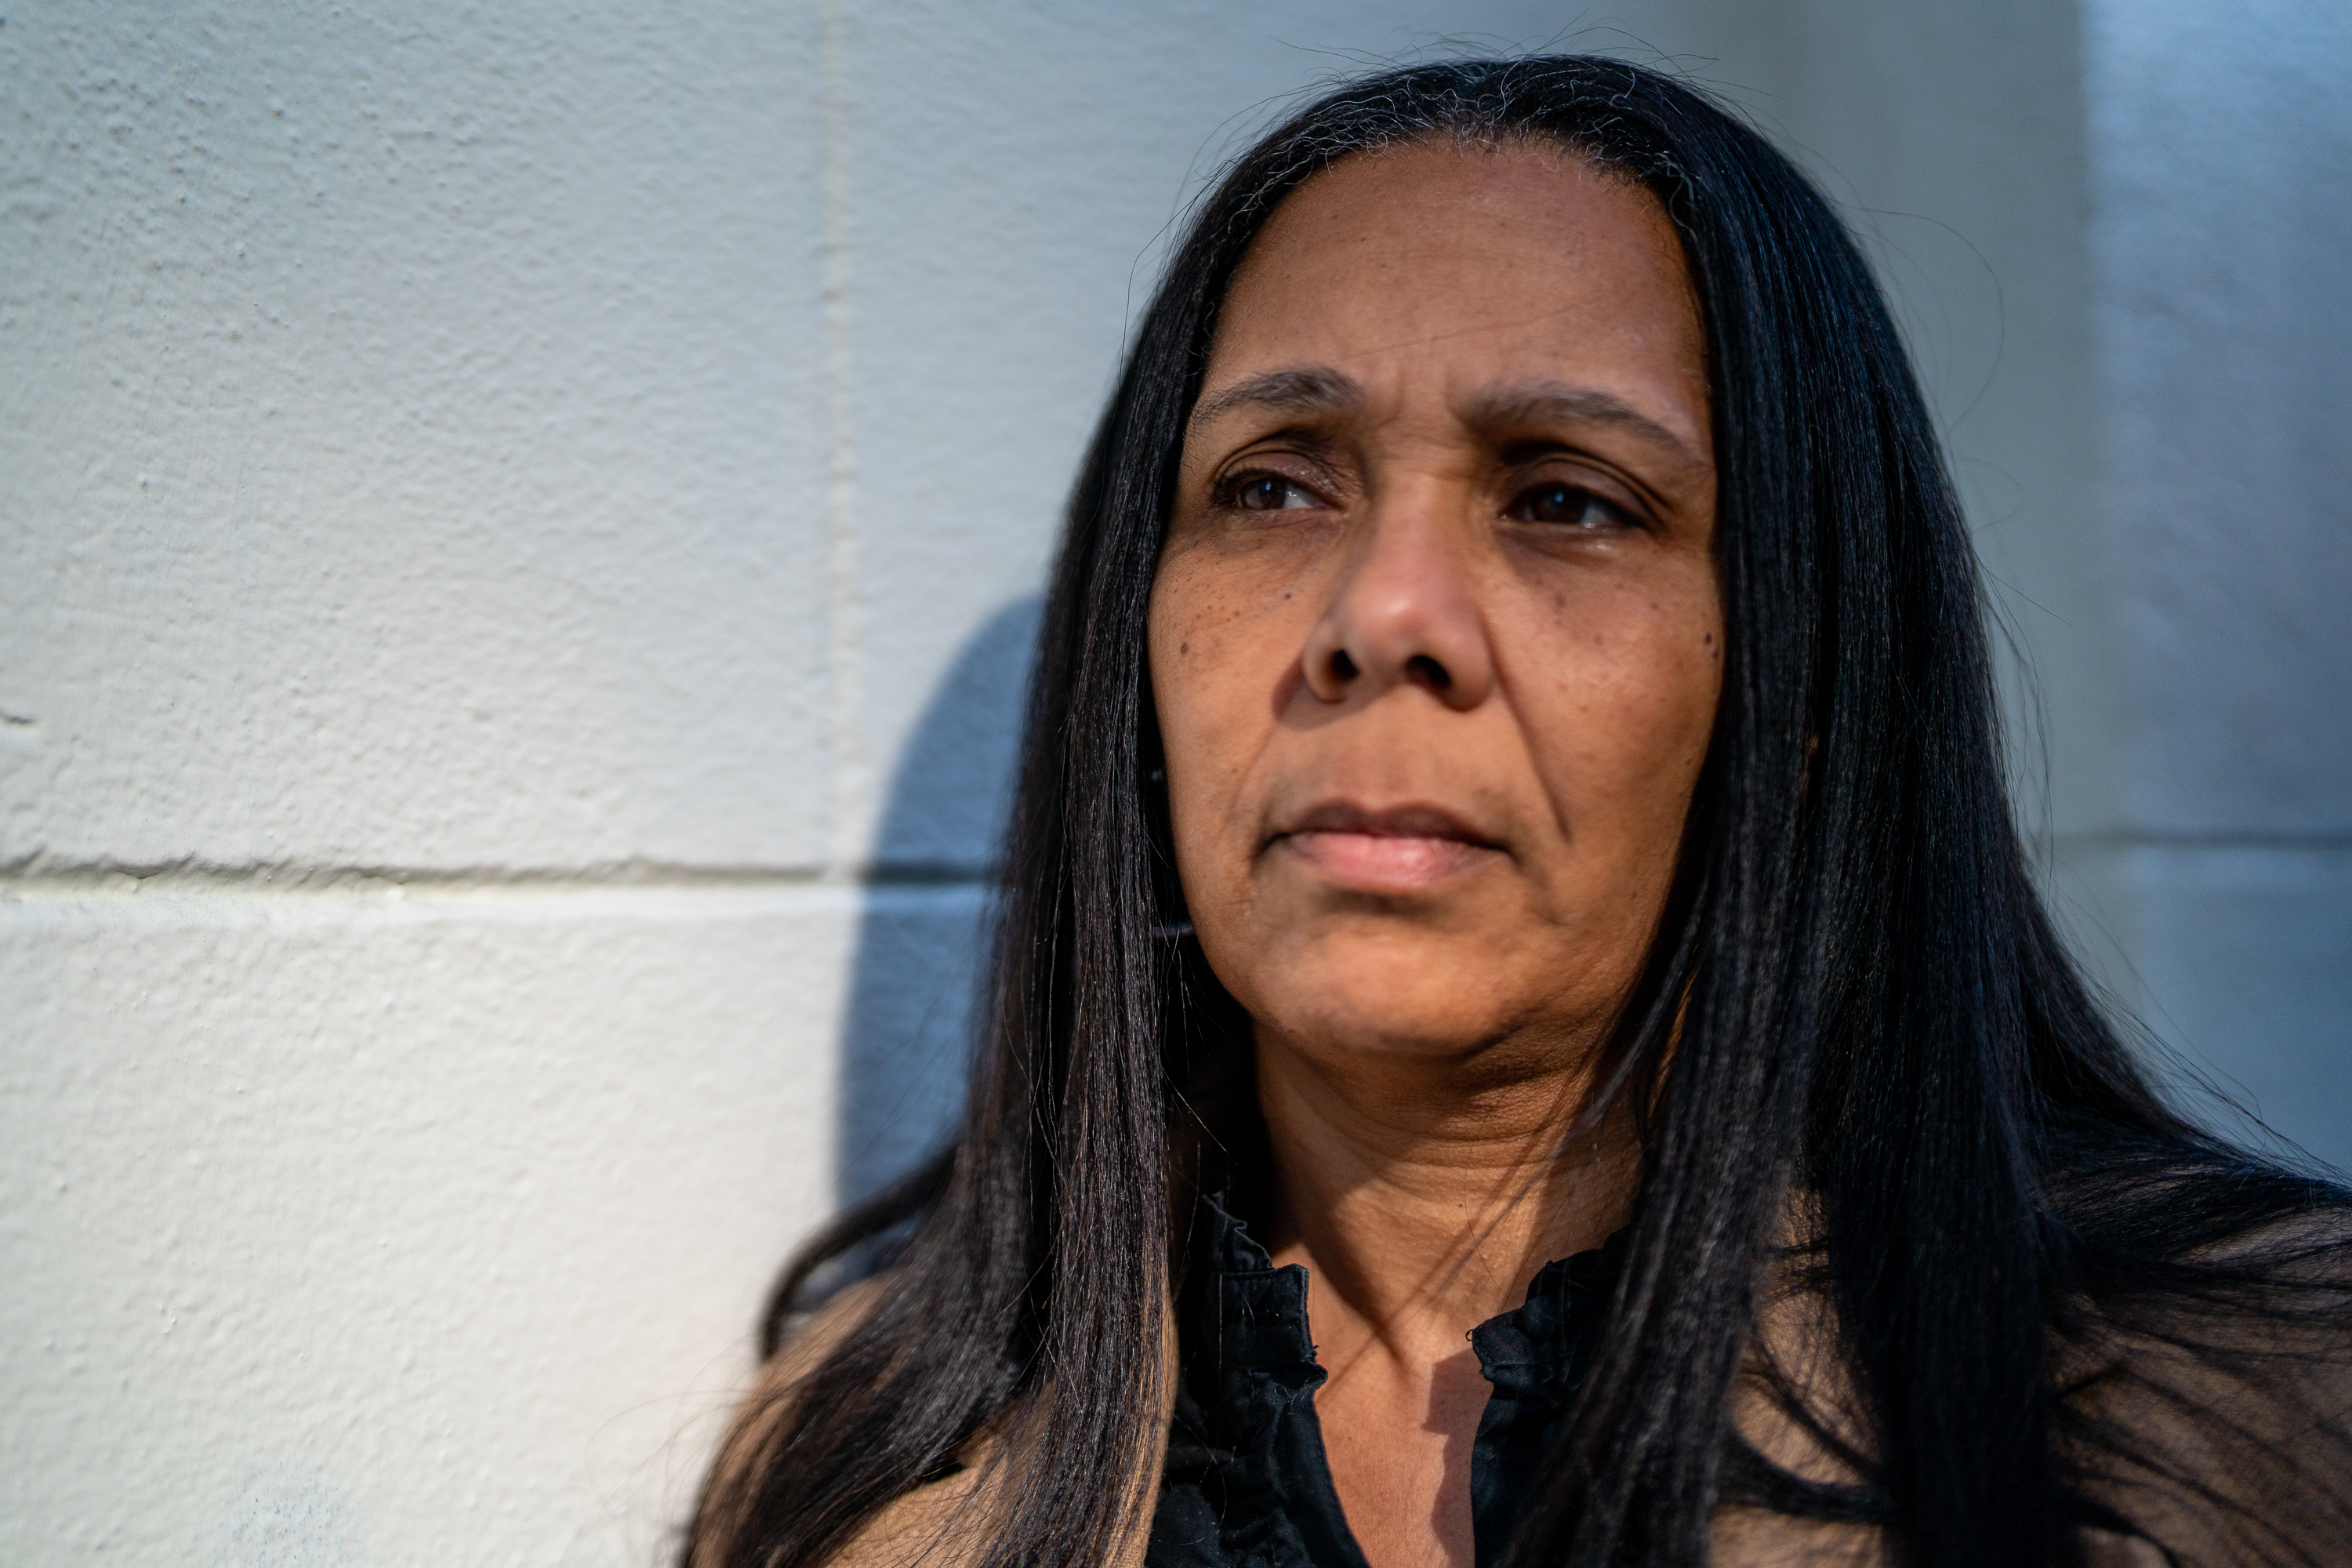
pixel 1559 504
pixel 1261 490
pixel 1555 504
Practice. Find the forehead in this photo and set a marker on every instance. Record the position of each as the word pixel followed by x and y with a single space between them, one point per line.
pixel 1470 266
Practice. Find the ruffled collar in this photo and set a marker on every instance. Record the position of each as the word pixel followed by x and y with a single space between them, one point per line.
pixel 1247 1480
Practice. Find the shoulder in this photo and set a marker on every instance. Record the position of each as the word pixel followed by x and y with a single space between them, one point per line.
pixel 945 1522
pixel 809 1341
pixel 757 1430
pixel 941 1523
pixel 2211 1405
pixel 2203 1405
pixel 931 1524
pixel 1755 1537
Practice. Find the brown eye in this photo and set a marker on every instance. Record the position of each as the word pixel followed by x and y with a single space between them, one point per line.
pixel 1566 506
pixel 1268 492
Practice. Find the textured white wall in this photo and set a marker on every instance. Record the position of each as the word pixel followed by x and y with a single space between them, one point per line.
pixel 2220 228
pixel 521 527
pixel 418 970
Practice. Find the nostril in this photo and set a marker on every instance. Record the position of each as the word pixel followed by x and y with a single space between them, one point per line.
pixel 1342 667
pixel 1421 666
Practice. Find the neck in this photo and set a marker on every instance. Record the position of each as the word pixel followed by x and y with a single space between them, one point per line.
pixel 1424 1194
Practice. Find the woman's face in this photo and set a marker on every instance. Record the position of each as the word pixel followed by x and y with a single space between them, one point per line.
pixel 1435 640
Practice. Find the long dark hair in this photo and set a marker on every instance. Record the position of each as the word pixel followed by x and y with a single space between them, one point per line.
pixel 1856 997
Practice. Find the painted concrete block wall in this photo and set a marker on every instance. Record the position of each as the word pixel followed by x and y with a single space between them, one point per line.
pixel 347 1227
pixel 2115 236
pixel 408 429
pixel 520 532
pixel 2221 147
pixel 1952 137
pixel 420 976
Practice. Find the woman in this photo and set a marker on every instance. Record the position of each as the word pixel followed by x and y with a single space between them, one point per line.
pixel 1520 1031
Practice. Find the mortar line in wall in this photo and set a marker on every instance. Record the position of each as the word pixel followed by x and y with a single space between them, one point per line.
pixel 39 879
pixel 851 774
pixel 2321 843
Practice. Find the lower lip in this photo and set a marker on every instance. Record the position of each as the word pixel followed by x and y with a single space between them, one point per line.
pixel 1386 863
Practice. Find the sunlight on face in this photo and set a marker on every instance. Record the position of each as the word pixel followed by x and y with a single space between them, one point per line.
pixel 1435 641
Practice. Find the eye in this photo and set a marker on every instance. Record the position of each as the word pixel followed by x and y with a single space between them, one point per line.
pixel 1266 492
pixel 1563 505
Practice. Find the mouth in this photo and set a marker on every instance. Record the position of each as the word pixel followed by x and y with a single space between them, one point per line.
pixel 1399 850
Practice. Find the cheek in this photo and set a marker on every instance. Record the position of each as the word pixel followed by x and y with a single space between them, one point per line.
pixel 1223 656
pixel 1633 706
pixel 1199 688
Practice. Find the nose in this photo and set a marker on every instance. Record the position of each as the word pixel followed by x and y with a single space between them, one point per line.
pixel 1405 614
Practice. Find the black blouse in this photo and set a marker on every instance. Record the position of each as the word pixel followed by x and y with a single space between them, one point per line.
pixel 1246 1483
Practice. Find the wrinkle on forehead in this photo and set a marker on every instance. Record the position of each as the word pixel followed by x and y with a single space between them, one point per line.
pixel 1394 251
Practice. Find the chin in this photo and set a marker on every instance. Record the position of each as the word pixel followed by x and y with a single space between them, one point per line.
pixel 1389 1009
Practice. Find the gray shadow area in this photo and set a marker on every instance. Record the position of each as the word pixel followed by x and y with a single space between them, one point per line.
pixel 906 1040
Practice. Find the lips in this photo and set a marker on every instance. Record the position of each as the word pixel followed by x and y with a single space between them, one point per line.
pixel 1399 850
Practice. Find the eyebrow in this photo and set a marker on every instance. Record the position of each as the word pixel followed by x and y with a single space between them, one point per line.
pixel 1548 403
pixel 1315 389
pixel 1310 389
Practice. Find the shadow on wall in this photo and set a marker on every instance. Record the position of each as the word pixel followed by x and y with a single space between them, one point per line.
pixel 906 1042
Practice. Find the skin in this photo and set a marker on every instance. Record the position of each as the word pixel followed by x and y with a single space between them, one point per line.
pixel 1436 648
